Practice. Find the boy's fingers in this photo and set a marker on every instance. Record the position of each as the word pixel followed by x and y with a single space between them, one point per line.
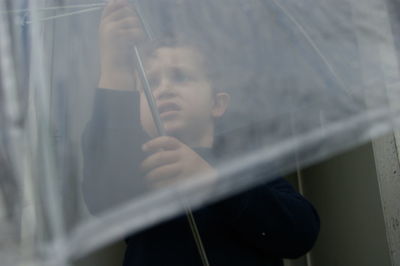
pixel 124 24
pixel 111 6
pixel 160 183
pixel 159 159
pixel 122 13
pixel 115 6
pixel 165 143
pixel 164 172
pixel 132 36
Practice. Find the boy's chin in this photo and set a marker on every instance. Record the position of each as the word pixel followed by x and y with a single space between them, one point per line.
pixel 173 128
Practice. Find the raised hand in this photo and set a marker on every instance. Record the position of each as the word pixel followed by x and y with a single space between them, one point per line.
pixel 120 29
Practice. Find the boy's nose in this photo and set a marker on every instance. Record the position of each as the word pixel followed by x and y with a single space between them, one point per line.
pixel 165 90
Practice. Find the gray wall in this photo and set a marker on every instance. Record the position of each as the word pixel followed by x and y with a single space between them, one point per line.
pixel 112 255
pixel 345 192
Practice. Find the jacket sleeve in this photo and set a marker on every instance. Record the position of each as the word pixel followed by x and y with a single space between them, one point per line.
pixel 111 146
pixel 274 218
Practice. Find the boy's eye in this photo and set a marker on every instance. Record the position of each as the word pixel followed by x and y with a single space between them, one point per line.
pixel 179 76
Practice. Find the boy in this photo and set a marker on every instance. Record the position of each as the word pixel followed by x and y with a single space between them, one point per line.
pixel 258 227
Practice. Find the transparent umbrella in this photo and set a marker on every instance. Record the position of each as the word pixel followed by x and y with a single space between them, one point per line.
pixel 241 92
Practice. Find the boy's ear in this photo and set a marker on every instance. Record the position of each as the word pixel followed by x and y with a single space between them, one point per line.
pixel 221 103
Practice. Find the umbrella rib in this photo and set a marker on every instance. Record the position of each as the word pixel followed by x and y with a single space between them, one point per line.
pixel 54 8
pixel 67 14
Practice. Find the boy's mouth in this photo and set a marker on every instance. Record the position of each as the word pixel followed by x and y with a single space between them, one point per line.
pixel 168 108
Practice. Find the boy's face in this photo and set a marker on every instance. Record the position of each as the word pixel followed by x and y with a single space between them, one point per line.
pixel 184 96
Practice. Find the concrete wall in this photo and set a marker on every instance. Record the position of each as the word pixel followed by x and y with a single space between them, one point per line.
pixel 112 255
pixel 345 191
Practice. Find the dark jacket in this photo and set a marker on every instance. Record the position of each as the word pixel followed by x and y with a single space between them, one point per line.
pixel 258 227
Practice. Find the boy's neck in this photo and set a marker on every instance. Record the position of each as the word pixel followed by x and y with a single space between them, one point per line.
pixel 200 139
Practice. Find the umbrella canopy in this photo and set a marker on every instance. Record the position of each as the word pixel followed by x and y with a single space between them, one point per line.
pixel 246 90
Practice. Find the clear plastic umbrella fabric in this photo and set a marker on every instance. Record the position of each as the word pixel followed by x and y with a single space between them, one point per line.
pixel 260 87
